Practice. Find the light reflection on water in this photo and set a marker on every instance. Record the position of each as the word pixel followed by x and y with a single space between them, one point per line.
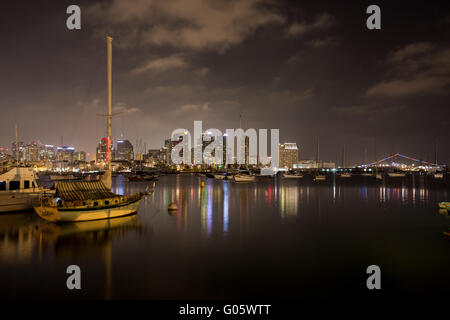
pixel 227 215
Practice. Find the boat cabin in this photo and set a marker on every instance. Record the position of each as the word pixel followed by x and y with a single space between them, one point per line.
pixel 18 178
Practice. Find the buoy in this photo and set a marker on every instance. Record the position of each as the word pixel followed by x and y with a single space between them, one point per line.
pixel 172 206
pixel 203 184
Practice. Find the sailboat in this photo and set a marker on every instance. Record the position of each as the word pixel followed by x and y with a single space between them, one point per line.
pixel 89 200
pixel 292 175
pixel 345 174
pixel 244 176
pixel 396 174
pixel 18 188
pixel 318 176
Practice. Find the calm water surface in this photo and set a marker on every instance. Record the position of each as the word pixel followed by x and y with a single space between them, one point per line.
pixel 268 239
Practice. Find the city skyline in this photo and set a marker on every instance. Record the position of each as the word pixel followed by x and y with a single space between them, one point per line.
pixel 311 71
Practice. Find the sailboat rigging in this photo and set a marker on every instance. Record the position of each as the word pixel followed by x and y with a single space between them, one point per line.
pixel 90 200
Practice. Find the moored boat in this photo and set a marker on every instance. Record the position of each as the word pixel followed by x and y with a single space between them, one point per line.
pixel 244 176
pixel 396 174
pixel 345 175
pixel 220 177
pixel 444 205
pixel 19 190
pixel 292 175
pixel 84 201
pixel 90 200
pixel 320 177
pixel 438 175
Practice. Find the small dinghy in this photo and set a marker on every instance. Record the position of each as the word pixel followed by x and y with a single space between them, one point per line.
pixel 444 205
pixel 244 177
pixel 396 174
pixel 292 175
pixel 320 177
pixel 345 175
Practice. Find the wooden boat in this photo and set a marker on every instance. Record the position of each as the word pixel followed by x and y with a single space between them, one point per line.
pixel 244 177
pixel 19 190
pixel 444 205
pixel 89 200
pixel 320 177
pixel 84 201
pixel 292 176
pixel 220 177
pixel 396 174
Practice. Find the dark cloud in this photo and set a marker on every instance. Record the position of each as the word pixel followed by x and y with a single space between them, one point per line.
pixel 311 69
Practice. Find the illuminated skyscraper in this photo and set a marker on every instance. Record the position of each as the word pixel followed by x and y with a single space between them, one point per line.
pixel 65 153
pixel 288 154
pixel 124 150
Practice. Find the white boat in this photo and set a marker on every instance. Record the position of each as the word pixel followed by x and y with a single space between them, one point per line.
pixel 19 190
pixel 346 175
pixel 320 177
pixel 439 175
pixel 244 178
pixel 292 176
pixel 220 177
pixel 396 174
pixel 85 201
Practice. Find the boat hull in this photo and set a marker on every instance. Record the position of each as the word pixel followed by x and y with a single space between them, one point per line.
pixel 292 176
pixel 239 178
pixel 444 205
pixel 54 214
pixel 395 175
pixel 11 201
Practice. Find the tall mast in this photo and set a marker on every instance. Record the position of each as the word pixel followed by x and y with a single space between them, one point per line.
pixel 107 177
pixel 109 42
pixel 17 144
pixel 318 151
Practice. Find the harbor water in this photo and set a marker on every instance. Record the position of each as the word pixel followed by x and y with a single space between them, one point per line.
pixel 272 238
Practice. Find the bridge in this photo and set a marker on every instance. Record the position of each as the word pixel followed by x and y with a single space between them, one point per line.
pixel 401 161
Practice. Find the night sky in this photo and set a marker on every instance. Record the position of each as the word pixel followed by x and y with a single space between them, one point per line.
pixel 310 68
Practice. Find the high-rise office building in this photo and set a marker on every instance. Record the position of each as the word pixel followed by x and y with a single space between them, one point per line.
pixel 17 152
pixel 101 152
pixel 47 152
pixel 79 156
pixel 31 151
pixel 288 154
pixel 124 150
pixel 65 154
